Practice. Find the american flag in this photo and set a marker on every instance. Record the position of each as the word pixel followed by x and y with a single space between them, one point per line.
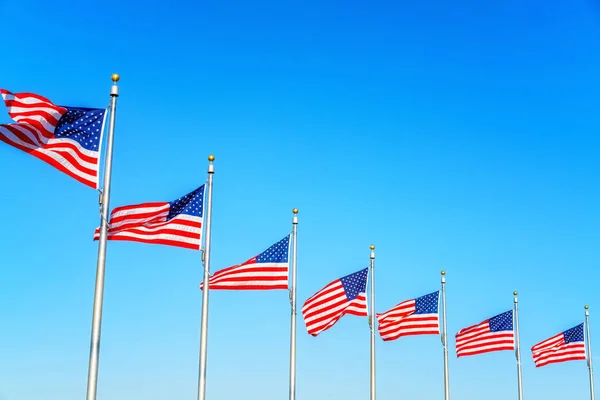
pixel 411 317
pixel 68 138
pixel 493 334
pixel 346 295
pixel 268 270
pixel 566 346
pixel 176 223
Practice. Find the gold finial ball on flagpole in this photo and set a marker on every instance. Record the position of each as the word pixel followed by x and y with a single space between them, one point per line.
pixel 115 78
pixel 586 307
pixel 515 293
pixel 295 211
pixel 443 272
pixel 211 158
pixel 372 247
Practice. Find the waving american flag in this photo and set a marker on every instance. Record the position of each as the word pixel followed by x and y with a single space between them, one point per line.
pixel 68 138
pixel 266 271
pixel 566 346
pixel 176 223
pixel 346 295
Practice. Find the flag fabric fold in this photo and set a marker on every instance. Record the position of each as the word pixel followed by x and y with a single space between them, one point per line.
pixel 493 334
pixel 411 317
pixel 266 271
pixel 566 346
pixel 177 223
pixel 68 138
pixel 346 295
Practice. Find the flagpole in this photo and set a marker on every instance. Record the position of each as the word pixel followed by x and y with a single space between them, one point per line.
pixel 445 339
pixel 293 307
pixel 589 352
pixel 518 346
pixel 372 323
pixel 206 257
pixel 92 383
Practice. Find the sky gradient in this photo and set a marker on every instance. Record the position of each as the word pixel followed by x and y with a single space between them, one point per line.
pixel 458 136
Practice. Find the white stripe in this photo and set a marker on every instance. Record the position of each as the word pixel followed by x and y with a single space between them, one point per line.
pixel 162 236
pixel 481 349
pixel 142 209
pixel 42 108
pixel 23 98
pixel 334 290
pixel 51 154
pixel 359 304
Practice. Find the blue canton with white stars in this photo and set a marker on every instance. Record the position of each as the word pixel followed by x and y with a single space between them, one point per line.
pixel 427 304
pixel 355 283
pixel 278 253
pixel 502 322
pixel 574 334
pixel 190 204
pixel 83 125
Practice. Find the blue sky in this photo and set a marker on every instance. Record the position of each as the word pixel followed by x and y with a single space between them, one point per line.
pixel 458 136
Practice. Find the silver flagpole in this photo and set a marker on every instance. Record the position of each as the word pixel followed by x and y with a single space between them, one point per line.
pixel 589 352
pixel 92 383
pixel 445 339
pixel 206 257
pixel 293 306
pixel 518 347
pixel 372 323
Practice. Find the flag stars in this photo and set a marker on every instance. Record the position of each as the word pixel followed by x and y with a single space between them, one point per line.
pixel 502 322
pixel 82 125
pixel 574 334
pixel 427 304
pixel 355 283
pixel 278 253
pixel 190 204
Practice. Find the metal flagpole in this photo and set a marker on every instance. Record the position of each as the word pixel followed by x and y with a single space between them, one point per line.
pixel 206 257
pixel 293 306
pixel 445 339
pixel 518 346
pixel 92 383
pixel 589 352
pixel 372 323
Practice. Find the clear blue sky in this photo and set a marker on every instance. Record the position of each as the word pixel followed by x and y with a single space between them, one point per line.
pixel 453 135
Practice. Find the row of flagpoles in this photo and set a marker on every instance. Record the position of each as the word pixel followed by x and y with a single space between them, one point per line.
pixel 70 139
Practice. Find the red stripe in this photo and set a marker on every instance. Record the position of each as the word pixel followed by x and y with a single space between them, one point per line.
pixel 240 269
pixel 247 279
pixel 482 351
pixel 141 205
pixel 29 120
pixel 66 145
pixel 245 287
pixel 53 162
pixel 164 231
pixel 22 136
pixel 22 95
pixel 159 241
pixel 334 303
